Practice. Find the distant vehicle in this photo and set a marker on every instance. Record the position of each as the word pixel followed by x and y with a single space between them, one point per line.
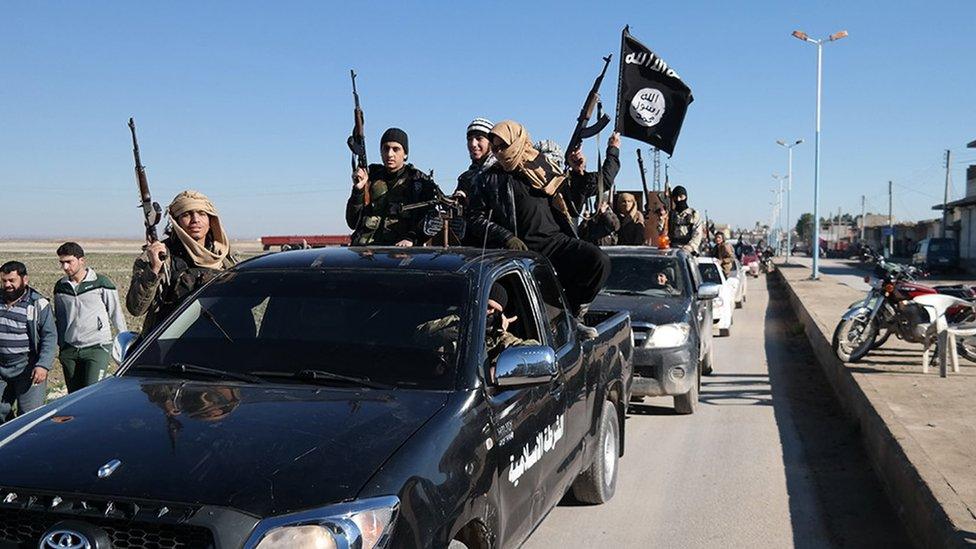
pixel 711 272
pixel 750 258
pixel 936 254
pixel 332 398
pixel 299 242
pixel 671 318
pixel 738 273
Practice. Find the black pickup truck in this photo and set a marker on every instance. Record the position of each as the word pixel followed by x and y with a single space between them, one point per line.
pixel 331 398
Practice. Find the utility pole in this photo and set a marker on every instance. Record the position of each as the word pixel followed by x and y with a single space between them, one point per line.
pixel 945 195
pixel 891 226
pixel 862 220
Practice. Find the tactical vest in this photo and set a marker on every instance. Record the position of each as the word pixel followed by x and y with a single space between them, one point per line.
pixel 382 222
pixel 682 227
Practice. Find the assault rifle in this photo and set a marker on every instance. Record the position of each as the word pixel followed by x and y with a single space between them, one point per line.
pixel 151 211
pixel 446 218
pixel 643 172
pixel 582 131
pixel 357 141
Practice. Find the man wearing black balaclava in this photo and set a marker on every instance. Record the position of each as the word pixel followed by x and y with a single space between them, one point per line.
pixel 684 224
pixel 374 209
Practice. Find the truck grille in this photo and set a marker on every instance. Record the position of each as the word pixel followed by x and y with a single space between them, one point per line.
pixel 25 517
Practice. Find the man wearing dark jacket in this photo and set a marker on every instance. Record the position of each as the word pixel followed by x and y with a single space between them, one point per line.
pixel 28 344
pixel 374 209
pixel 518 205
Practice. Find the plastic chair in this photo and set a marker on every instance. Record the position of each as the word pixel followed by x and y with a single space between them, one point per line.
pixel 941 331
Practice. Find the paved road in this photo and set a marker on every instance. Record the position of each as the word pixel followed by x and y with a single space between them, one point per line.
pixel 766 461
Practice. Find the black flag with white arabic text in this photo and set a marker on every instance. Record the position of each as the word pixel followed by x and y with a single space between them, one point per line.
pixel 651 98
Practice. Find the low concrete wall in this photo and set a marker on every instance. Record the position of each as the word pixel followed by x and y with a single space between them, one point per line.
pixel 919 494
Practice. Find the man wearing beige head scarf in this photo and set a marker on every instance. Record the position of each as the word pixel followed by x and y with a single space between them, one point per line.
pixel 519 204
pixel 195 249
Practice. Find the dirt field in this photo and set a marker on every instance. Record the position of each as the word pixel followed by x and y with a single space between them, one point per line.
pixel 112 258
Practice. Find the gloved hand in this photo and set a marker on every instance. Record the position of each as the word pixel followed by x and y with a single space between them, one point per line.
pixel 515 243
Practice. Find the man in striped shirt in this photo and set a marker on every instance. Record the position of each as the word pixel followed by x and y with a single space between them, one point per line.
pixel 28 342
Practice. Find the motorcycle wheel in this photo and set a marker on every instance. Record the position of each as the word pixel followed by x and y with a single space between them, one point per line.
pixel 879 341
pixel 852 351
pixel 967 348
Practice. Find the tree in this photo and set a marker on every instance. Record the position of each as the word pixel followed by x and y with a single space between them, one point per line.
pixel 804 226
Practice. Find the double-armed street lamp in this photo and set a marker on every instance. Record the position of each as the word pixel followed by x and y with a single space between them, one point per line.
pixel 800 35
pixel 789 187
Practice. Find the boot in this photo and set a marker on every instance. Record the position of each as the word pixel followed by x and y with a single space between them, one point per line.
pixel 586 332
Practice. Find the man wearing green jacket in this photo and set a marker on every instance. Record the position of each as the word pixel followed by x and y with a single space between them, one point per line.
pixel 28 342
pixel 86 306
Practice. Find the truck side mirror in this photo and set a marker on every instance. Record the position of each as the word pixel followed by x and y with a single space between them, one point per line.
pixel 123 342
pixel 525 365
pixel 709 291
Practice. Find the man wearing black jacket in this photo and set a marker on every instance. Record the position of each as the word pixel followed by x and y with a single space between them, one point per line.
pixel 520 204
pixel 374 209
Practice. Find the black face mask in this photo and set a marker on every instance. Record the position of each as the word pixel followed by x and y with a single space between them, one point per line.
pixel 14 295
pixel 680 205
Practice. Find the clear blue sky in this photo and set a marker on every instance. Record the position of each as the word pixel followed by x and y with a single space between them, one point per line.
pixel 250 101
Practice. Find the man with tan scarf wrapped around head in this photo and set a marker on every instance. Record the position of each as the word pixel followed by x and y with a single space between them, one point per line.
pixel 195 249
pixel 520 203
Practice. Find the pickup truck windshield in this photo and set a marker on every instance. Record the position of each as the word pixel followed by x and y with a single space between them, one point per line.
pixel 395 328
pixel 631 275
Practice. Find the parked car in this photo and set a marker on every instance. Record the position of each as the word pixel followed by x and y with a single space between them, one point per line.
pixel 671 315
pixel 332 398
pixel 738 273
pixel 936 254
pixel 711 272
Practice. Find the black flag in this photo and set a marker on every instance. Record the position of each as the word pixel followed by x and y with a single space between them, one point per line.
pixel 651 98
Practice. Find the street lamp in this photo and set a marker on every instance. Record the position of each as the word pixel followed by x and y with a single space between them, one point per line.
pixel 789 187
pixel 778 212
pixel 800 35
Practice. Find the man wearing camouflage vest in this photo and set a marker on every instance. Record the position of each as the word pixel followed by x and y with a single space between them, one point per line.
pixel 684 223
pixel 374 210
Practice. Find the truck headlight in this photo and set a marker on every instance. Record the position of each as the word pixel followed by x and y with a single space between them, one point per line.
pixel 364 523
pixel 669 335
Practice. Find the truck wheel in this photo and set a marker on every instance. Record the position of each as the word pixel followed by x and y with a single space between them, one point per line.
pixel 724 332
pixel 599 481
pixel 688 402
pixel 457 544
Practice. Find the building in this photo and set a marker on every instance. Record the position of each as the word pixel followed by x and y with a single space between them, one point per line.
pixel 963 215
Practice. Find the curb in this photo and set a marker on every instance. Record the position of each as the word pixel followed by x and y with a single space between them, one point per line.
pixel 918 492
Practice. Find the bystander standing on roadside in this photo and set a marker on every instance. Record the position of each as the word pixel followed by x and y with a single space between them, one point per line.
pixel 86 305
pixel 28 342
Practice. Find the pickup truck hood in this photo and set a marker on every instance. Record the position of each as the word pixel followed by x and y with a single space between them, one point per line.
pixel 262 449
pixel 653 310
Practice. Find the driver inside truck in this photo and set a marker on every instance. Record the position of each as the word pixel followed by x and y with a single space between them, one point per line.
pixel 443 332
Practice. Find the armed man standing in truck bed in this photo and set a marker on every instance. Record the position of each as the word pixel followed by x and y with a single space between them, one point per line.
pixel 374 209
pixel 685 227
pixel 195 250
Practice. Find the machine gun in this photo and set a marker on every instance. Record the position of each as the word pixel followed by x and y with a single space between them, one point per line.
pixel 582 131
pixel 445 218
pixel 357 141
pixel 151 211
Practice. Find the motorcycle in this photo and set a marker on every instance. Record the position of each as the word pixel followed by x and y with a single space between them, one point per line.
pixel 889 308
pixel 766 260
